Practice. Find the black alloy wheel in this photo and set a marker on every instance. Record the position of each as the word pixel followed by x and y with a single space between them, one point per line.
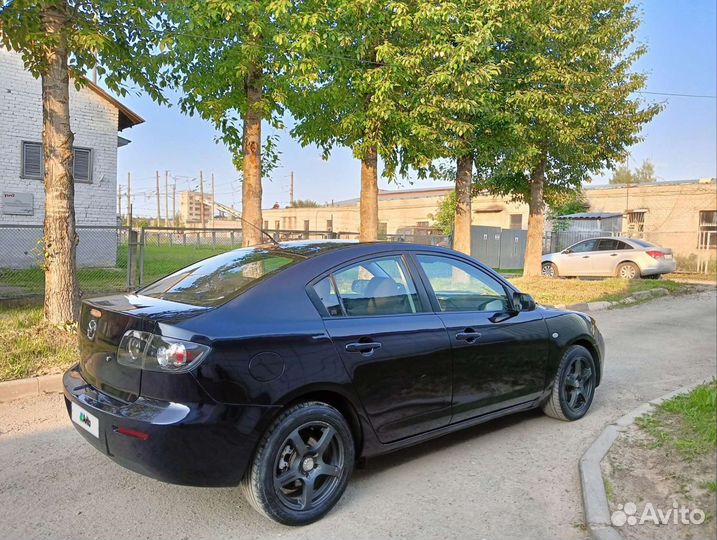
pixel 302 465
pixel 573 386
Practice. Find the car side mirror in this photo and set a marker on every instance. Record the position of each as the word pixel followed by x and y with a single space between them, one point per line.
pixel 567 250
pixel 523 302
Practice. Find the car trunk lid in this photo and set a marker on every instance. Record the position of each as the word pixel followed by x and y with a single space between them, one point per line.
pixel 103 322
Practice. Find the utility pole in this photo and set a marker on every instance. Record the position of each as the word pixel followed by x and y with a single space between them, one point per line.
pixel 129 200
pixel 166 198
pixel 174 204
pixel 201 193
pixel 119 201
pixel 291 190
pixel 211 217
pixel 159 216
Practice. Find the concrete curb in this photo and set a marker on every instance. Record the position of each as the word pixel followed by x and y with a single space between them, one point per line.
pixel 595 503
pixel 601 306
pixel 34 386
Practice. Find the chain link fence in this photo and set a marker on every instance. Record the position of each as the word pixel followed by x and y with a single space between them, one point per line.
pixel 102 254
pixel 113 259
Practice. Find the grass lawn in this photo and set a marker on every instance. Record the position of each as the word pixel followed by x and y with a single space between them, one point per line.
pixel 29 347
pixel 554 292
pixel 158 262
pixel 687 423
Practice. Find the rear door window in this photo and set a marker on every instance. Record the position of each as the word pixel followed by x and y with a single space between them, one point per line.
pixel 380 286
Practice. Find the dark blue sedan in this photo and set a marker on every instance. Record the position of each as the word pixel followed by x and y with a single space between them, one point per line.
pixel 277 367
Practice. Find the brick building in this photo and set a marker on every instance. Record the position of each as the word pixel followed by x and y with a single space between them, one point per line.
pixel 96 118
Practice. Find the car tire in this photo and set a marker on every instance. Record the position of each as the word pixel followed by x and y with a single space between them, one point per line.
pixel 549 270
pixel 628 270
pixel 573 387
pixel 315 467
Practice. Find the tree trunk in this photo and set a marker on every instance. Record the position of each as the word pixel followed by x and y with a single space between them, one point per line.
pixel 251 185
pixel 60 237
pixel 369 197
pixel 462 222
pixel 536 222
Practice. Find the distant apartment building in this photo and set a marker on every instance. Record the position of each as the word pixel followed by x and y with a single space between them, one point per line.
pixel 190 208
pixel 96 118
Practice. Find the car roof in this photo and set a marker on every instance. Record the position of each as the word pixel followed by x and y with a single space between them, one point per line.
pixel 313 248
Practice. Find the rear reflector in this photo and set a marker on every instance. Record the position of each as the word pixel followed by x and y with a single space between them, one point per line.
pixel 133 433
pixel 656 254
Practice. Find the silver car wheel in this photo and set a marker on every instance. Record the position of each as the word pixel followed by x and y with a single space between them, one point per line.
pixel 548 270
pixel 628 271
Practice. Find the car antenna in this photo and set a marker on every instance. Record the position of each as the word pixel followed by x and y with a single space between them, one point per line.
pixel 236 214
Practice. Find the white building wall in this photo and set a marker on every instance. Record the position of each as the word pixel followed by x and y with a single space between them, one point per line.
pixel 94 123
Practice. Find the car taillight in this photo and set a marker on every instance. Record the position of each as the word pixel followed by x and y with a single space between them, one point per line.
pixel 656 254
pixel 145 350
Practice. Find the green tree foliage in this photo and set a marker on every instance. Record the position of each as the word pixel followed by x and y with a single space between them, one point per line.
pixel 622 175
pixel 568 101
pixel 62 38
pixel 445 214
pixel 644 174
pixel 304 203
pixel 235 62
pixel 564 203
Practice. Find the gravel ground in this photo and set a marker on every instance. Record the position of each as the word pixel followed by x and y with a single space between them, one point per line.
pixel 513 478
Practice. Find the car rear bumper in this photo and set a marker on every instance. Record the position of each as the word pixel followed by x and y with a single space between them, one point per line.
pixel 180 443
pixel 658 266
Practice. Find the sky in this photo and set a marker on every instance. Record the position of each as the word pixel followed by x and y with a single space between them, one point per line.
pixel 681 141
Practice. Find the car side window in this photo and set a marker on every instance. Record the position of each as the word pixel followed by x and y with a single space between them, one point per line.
pixel 458 286
pixel 623 245
pixel 380 286
pixel 608 244
pixel 582 247
pixel 326 292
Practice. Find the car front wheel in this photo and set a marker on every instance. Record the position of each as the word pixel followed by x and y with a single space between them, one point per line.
pixel 573 386
pixel 302 465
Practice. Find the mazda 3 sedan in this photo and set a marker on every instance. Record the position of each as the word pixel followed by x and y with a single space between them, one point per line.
pixel 277 367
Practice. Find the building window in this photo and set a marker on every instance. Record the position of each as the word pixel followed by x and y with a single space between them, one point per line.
pixel 422 224
pixel 277 224
pixel 330 225
pixel 382 230
pixel 266 224
pixel 636 222
pixel 306 225
pixel 516 221
pixel 708 229
pixel 33 167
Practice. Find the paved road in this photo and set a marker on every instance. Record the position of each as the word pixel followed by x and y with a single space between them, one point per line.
pixel 513 478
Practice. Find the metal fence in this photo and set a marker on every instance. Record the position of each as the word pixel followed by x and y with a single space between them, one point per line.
pixel 102 253
pixel 112 259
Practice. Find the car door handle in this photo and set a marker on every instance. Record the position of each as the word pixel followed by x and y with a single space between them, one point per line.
pixel 586 256
pixel 613 254
pixel 468 335
pixel 363 348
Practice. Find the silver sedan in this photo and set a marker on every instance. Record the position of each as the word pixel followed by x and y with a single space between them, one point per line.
pixel 628 258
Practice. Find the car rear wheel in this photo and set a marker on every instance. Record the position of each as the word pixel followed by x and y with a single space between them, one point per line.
pixel 302 465
pixel 573 386
pixel 550 270
pixel 628 270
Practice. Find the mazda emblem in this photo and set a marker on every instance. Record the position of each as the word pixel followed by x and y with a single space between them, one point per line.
pixel 92 329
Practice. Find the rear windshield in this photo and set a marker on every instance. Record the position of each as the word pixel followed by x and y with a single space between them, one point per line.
pixel 642 243
pixel 217 280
